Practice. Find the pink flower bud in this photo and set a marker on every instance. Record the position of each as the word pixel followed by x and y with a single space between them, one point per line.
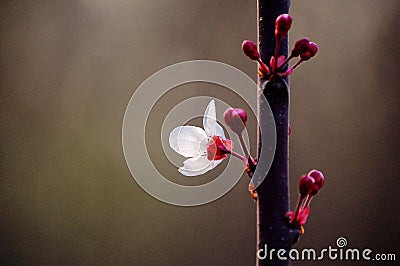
pixel 306 184
pixel 282 26
pixel 319 181
pixel 311 51
pixel 250 49
pixel 236 119
pixel 300 47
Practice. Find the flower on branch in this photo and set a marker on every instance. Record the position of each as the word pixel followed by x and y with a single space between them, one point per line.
pixel 206 147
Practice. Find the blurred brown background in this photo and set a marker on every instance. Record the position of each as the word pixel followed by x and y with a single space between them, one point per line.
pixel 68 70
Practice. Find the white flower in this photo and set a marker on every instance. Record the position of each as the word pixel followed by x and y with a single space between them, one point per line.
pixel 191 141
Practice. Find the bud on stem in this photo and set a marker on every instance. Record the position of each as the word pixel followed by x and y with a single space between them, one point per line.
pixel 282 26
pixel 310 52
pixel 236 119
pixel 250 49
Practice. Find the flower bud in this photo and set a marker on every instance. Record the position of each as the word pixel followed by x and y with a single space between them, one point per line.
pixel 236 119
pixel 311 51
pixel 300 47
pixel 282 26
pixel 319 181
pixel 306 184
pixel 250 49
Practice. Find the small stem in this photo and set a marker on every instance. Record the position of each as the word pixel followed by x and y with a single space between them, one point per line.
pixel 243 144
pixel 308 201
pixel 301 199
pixel 277 44
pixel 297 63
pixel 237 155
pixel 245 150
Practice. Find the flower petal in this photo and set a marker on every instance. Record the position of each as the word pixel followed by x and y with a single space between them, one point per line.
pixel 219 131
pixel 188 141
pixel 209 119
pixel 216 163
pixel 197 166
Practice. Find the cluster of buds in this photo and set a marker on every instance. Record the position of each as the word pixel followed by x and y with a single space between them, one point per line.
pixel 303 49
pixel 309 185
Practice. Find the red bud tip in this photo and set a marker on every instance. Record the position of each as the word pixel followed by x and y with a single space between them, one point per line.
pixel 306 184
pixel 300 47
pixel 250 49
pixel 282 26
pixel 319 181
pixel 311 51
pixel 236 119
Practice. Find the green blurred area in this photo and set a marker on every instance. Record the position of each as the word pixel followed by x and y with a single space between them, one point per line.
pixel 68 70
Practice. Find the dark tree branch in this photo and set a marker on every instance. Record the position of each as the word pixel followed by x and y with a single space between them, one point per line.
pixel 274 231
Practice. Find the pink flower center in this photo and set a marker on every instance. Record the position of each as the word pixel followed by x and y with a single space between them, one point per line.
pixel 218 148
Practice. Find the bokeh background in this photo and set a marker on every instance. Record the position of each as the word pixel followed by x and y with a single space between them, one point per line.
pixel 68 70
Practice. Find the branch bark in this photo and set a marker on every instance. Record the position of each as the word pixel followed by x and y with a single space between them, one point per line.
pixel 273 229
